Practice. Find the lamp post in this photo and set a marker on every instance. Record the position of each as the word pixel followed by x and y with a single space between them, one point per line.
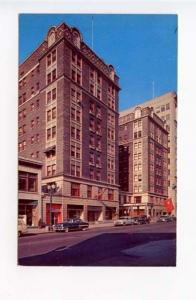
pixel 51 190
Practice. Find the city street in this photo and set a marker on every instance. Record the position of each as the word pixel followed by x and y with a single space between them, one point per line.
pixel 135 245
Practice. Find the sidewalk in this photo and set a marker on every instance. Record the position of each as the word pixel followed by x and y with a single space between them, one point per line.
pixel 36 230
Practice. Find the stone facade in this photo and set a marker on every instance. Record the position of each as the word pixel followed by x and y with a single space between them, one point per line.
pixel 143 163
pixel 165 107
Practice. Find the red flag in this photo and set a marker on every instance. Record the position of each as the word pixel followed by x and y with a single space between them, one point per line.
pixel 169 205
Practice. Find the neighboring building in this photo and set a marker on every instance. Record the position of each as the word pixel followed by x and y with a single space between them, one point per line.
pixel 143 159
pixel 165 107
pixel 68 119
pixel 29 190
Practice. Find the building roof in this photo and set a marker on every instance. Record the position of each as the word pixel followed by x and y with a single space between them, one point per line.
pixel 153 101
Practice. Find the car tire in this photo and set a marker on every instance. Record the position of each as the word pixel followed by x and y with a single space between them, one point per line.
pixel 84 228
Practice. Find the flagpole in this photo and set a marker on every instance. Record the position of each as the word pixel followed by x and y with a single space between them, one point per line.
pixel 92 32
pixel 153 89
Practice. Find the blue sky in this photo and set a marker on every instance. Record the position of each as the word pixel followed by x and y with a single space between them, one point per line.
pixel 142 48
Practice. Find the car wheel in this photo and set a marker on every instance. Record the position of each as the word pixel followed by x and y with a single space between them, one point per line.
pixel 67 229
pixel 84 228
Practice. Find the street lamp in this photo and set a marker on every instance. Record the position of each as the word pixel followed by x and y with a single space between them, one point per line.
pixel 51 190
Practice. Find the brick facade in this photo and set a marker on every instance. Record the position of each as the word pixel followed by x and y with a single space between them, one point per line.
pixel 54 122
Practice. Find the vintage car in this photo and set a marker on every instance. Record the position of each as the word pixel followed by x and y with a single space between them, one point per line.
pixel 124 220
pixel 71 224
pixel 22 227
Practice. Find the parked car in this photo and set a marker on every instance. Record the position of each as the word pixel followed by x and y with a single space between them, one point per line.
pixel 142 219
pixel 22 227
pixel 124 220
pixel 164 219
pixel 71 224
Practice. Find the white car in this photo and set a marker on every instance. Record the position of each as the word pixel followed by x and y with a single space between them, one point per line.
pixel 124 221
pixel 22 227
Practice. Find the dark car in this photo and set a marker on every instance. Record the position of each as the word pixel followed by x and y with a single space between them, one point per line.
pixel 143 219
pixel 71 224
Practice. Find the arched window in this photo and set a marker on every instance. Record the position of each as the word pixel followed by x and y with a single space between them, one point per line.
pixel 137 112
pixel 51 37
pixel 76 39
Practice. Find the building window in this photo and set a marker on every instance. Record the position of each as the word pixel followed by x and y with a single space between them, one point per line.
pixel 37 103
pixel 51 76
pixel 91 173
pixel 100 193
pixel 89 191
pixel 98 131
pixel 53 94
pixel 98 115
pixel 75 150
pixel 54 56
pixel 51 58
pixel 54 113
pixel 167 106
pixel 48 97
pixel 53 132
pixel 76 68
pixel 49 61
pixel 110 195
pixel 37 138
pixel 32 90
pixel 27 182
pixel 98 161
pixel 92 142
pixel 37 86
pixel 37 121
pixel 95 84
pixel 48 133
pixel 75 189
pixel 98 144
pixel 111 97
pixel 32 140
pixel 32 106
pixel 92 158
pixel 92 125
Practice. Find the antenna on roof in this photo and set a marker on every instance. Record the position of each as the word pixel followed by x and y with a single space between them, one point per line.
pixel 92 33
pixel 153 89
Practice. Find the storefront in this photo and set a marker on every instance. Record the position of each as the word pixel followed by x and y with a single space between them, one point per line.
pixel 94 213
pixel 29 210
pixel 74 211
pixel 56 213
pixel 110 213
pixel 29 190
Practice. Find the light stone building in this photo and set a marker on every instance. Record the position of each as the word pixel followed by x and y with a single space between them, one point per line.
pixel 165 107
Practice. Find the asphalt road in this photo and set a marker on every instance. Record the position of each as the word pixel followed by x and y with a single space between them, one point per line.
pixel 136 245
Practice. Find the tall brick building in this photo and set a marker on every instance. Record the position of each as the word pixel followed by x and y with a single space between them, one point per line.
pixel 68 119
pixel 143 163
